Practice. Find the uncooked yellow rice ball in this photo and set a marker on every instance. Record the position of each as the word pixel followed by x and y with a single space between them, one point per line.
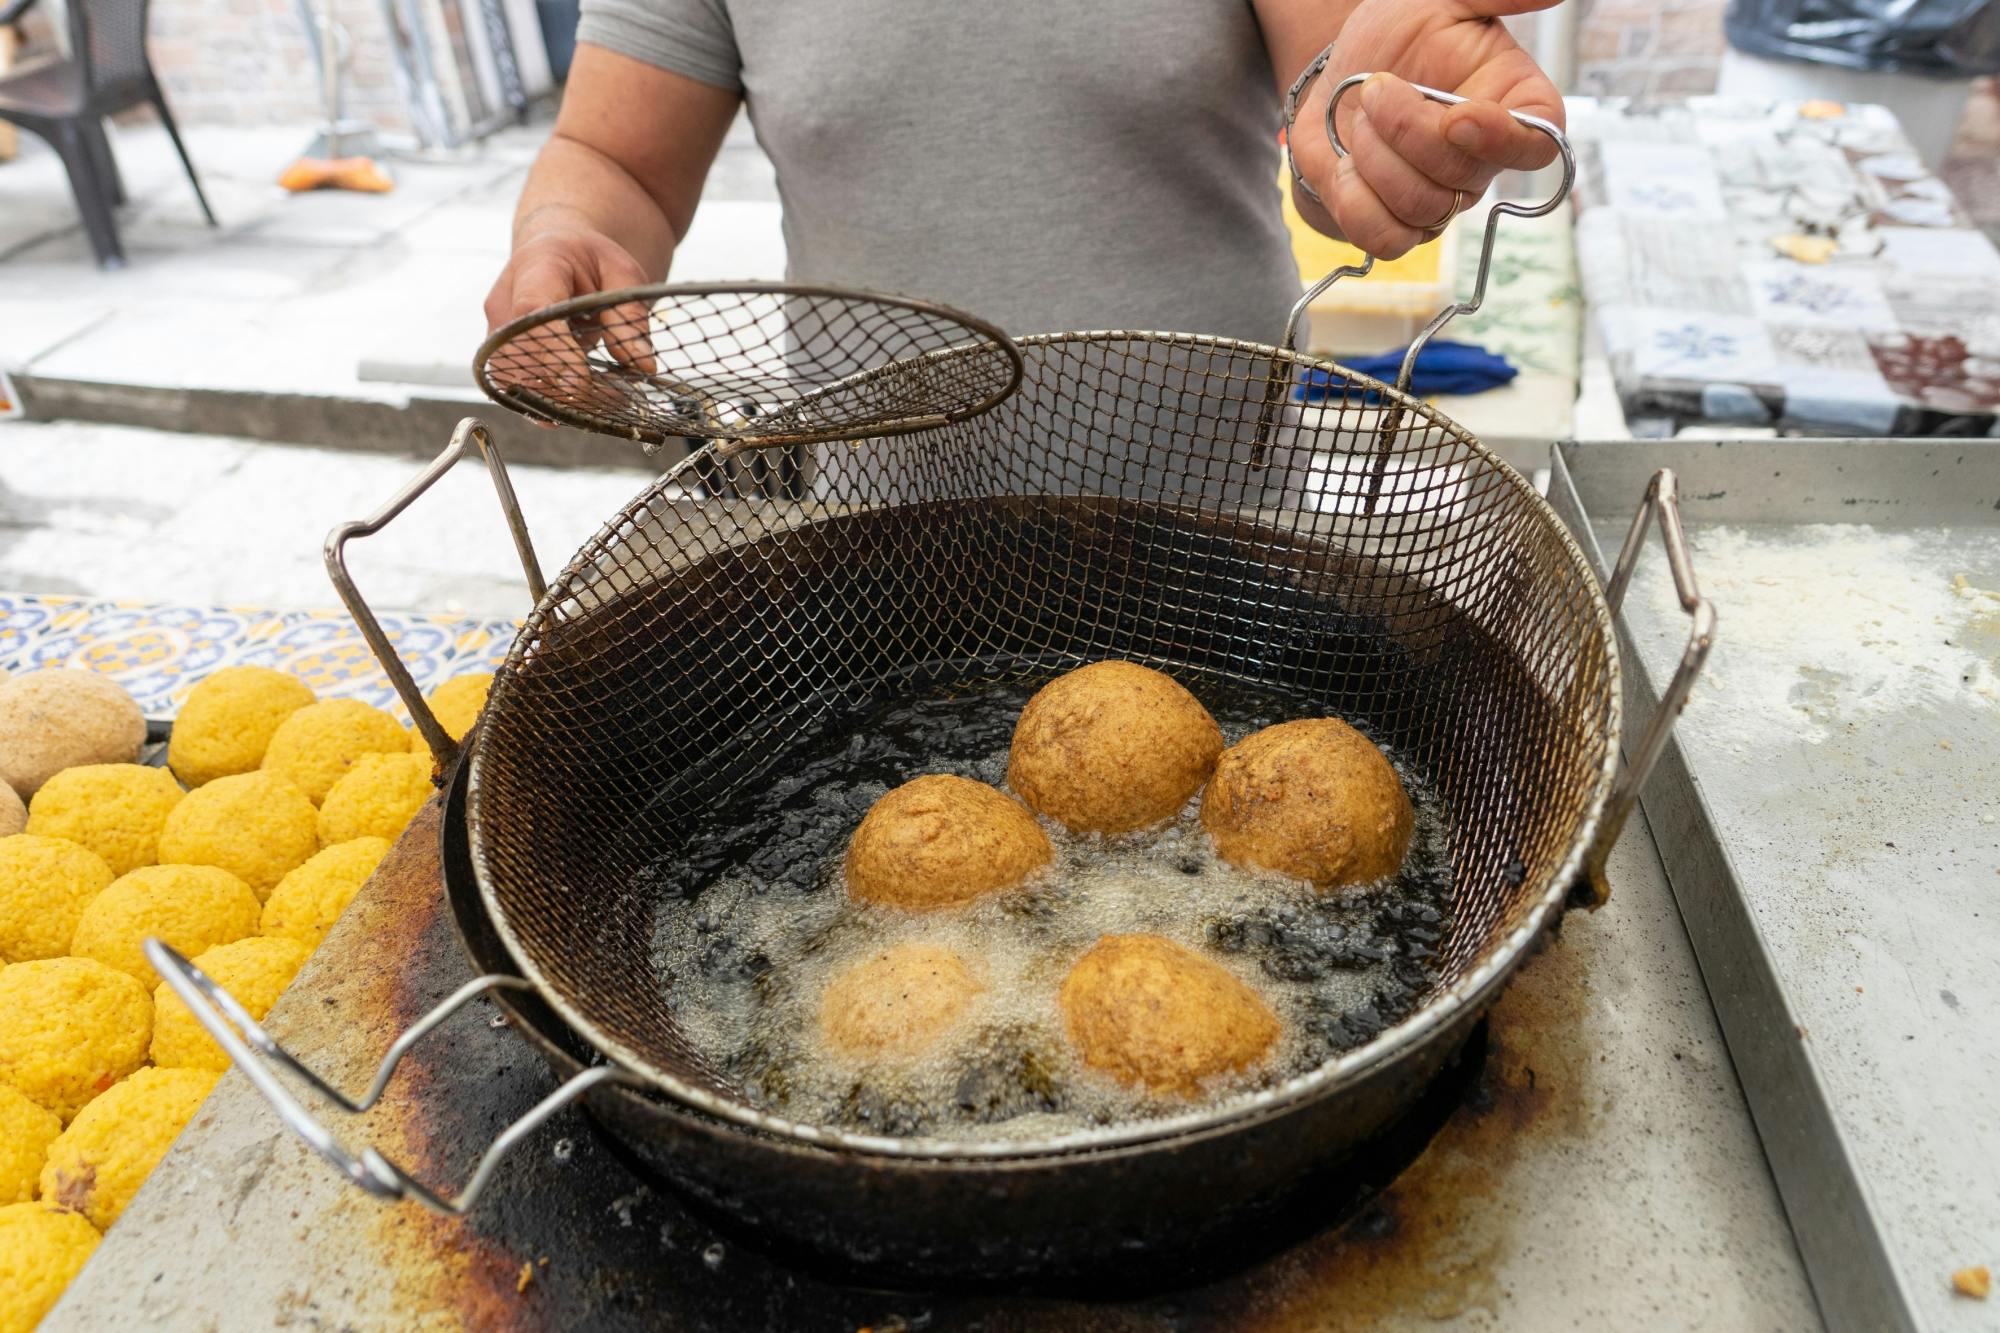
pixel 69 1029
pixel 42 1247
pixel 255 972
pixel 191 908
pixel 314 747
pixel 458 702
pixel 254 825
pixel 113 1145
pixel 116 810
pixel 308 901
pixel 26 1131
pixel 45 883
pixel 376 798
pixel 228 720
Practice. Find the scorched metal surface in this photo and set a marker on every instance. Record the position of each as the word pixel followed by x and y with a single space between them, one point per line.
pixel 1602 1172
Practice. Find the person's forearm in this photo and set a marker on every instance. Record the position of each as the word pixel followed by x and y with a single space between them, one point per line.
pixel 573 185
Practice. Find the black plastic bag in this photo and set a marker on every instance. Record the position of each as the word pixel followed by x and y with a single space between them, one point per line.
pixel 1953 39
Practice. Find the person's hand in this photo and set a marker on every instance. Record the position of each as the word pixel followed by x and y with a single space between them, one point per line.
pixel 1413 163
pixel 552 262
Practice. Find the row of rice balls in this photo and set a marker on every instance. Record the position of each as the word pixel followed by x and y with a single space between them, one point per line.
pixel 1114 748
pixel 290 804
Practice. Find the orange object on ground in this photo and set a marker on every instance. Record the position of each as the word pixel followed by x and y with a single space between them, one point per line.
pixel 360 174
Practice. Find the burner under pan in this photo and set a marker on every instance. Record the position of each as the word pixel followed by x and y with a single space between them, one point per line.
pixel 1317 1203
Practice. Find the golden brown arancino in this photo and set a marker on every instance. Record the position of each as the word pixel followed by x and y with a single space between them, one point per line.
pixel 1312 800
pixel 941 841
pixel 1149 1012
pixel 1112 747
pixel 899 1003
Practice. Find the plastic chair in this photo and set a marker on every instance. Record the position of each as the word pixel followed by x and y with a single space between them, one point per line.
pixel 65 101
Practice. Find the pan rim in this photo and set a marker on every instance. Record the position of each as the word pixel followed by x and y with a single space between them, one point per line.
pixel 1474 990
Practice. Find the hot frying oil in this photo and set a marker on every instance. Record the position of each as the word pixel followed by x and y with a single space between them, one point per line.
pixel 754 921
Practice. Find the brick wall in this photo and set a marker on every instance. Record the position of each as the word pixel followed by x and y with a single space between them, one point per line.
pixel 1648 48
pixel 242 61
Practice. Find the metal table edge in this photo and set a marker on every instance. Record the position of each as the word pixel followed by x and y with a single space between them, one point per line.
pixel 1847 1259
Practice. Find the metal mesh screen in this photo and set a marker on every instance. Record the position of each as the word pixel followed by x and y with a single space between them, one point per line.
pixel 773 361
pixel 1378 562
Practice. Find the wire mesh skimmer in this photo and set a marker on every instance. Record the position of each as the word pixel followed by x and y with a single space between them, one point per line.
pixel 1154 496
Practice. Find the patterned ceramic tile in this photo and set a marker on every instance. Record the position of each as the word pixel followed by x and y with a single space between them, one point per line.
pixel 159 653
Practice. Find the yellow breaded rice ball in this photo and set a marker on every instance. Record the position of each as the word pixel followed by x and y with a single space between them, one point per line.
pixel 308 901
pixel 45 883
pixel 116 810
pixel 376 798
pixel 42 1247
pixel 256 826
pixel 459 701
pixel 191 908
pixel 228 721
pixel 55 719
pixel 105 1155
pixel 26 1131
pixel 314 747
pixel 255 971
pixel 13 815
pixel 69 1029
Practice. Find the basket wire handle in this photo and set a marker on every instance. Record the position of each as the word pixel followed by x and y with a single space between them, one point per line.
pixel 1392 419
pixel 471 432
pixel 256 1052
pixel 1662 499
pixel 1500 208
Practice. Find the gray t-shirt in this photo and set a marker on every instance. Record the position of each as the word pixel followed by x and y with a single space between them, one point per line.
pixel 1046 164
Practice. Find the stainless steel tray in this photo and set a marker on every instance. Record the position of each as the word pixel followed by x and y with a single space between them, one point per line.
pixel 1827 817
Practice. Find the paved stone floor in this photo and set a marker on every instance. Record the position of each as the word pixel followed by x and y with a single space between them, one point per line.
pixel 325 293
pixel 113 511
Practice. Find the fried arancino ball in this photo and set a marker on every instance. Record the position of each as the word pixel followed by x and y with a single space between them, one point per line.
pixel 1311 800
pixel 1149 1012
pixel 228 720
pixel 314 747
pixel 898 1004
pixel 941 841
pixel 42 1246
pixel 53 719
pixel 256 826
pixel 69 1029
pixel 114 1143
pixel 1112 747
pixel 13 815
pixel 191 908
pixel 116 810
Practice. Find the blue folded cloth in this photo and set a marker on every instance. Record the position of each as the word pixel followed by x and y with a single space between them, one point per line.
pixel 1442 367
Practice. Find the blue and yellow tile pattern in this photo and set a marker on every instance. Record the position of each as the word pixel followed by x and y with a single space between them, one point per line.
pixel 159 653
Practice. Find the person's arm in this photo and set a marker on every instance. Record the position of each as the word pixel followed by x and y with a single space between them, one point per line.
pixel 1412 163
pixel 614 189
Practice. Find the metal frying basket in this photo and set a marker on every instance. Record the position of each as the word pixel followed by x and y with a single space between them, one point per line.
pixel 1152 496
